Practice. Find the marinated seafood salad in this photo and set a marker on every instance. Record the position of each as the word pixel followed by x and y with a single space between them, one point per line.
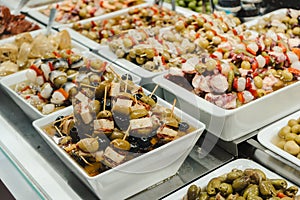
pixel 113 121
pixel 70 11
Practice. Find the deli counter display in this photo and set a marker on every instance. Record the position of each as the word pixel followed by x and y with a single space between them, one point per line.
pixel 134 100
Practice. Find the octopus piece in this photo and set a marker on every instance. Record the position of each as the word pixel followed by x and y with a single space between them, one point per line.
pixel 226 101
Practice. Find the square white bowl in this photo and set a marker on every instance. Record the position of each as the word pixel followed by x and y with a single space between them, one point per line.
pixel 137 174
pixel 232 124
pixel 241 164
pixel 32 112
pixel 268 135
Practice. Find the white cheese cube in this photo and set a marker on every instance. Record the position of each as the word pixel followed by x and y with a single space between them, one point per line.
pixel 141 123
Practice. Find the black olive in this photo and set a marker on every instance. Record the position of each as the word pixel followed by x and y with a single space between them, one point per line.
pixel 78 159
pixel 154 98
pixel 108 103
pixel 58 121
pixel 74 135
pixel 183 126
pixel 140 144
pixel 138 96
pixel 126 77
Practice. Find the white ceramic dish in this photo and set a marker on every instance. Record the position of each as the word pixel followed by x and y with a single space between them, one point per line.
pixel 36 14
pixel 233 124
pixel 135 175
pixel 33 113
pixel 241 164
pixel 268 136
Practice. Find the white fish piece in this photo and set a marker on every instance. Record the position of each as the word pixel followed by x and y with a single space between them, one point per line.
pixel 145 122
pixel 81 97
pixel 103 124
pixel 46 90
pixel 57 98
pixel 218 83
pixel 48 108
pixel 114 89
pixel 123 102
pixel 113 155
pixel 168 131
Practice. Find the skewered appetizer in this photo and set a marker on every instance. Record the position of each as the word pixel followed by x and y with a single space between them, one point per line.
pixel 14 24
pixel 70 11
pixel 21 53
pixel 289 138
pixel 113 121
pixel 151 16
pixel 241 185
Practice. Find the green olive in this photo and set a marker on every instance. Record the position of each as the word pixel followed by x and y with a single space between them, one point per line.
pixel 245 64
pixel 120 53
pixel 203 43
pixel 192 193
pixel 281 143
pixel 95 106
pixel 88 145
pixel 283 131
pixel 140 60
pixel 104 114
pixel 127 42
pixel 292 122
pixel 121 144
pixel 258 82
pixel 268 41
pixel 211 64
pixel 290 136
pixel 95 78
pixel 150 53
pixel 179 25
pixel 296 31
pixel 216 40
pixel 200 21
pixel 292 147
pixel 296 128
pixel 207 26
pixel 297 139
pixel 116 134
pixel 138 113
pixel 293 21
pixel 209 35
pixel 286 75
pixel 60 81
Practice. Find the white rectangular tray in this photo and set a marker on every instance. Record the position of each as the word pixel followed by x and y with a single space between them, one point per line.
pixel 75 45
pixel 32 112
pixel 233 124
pixel 241 164
pixel 268 136
pixel 135 175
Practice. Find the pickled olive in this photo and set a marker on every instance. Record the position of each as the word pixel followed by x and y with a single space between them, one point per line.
pixel 192 193
pixel 104 114
pixel 279 183
pixel 225 189
pixel 250 191
pixel 207 26
pixel 93 169
pixel 150 53
pixel 138 113
pixel 60 81
pixel 99 92
pixel 230 79
pixel 283 131
pixel 234 174
pixel 148 100
pixel 258 82
pixel 203 196
pixel 209 35
pixel 88 145
pixel 183 126
pixel 204 43
pixel 286 75
pixel 154 97
pixel 290 136
pixel 297 139
pixel 211 64
pixel 179 25
pixel 200 68
pixel 291 191
pixel 116 135
pixel 291 147
pixel 140 60
pixel 245 64
pixel 240 198
pixel 212 186
pixel 120 53
pixel 216 40
pixel 267 189
pixel 121 144
pixel 296 31
pixel 261 174
pixel 241 183
pixel 149 65
pixel 171 121
pixel 261 92
pixel 127 43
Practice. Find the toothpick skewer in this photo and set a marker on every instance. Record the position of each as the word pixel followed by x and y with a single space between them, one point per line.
pixel 104 102
pixel 153 91
pixel 86 85
pixel 173 106
pixel 126 133
pixel 61 135
pixel 113 71
pixel 126 83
